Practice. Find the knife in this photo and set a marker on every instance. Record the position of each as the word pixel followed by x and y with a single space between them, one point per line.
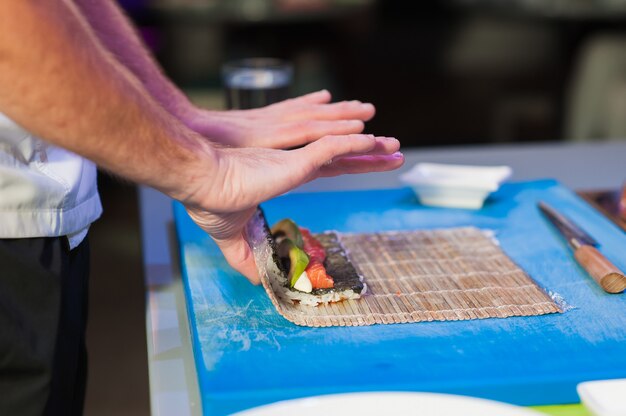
pixel 605 273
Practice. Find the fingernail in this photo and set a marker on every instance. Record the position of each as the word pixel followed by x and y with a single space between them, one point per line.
pixel 397 155
pixel 366 106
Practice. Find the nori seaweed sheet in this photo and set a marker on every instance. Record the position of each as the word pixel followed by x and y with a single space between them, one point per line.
pixel 338 266
pixel 284 268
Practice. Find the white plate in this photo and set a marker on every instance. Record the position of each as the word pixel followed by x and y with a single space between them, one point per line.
pixel 389 403
pixel 455 186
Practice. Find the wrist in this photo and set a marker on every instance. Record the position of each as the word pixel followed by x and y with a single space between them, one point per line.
pixel 193 173
pixel 181 108
pixel 207 123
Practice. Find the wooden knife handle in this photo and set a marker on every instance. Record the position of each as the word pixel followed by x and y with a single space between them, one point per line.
pixel 608 276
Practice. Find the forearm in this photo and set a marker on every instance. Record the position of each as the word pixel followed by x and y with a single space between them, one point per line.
pixel 118 35
pixel 58 82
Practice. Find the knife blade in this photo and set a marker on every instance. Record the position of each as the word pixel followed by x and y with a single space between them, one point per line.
pixel 570 231
pixel 605 273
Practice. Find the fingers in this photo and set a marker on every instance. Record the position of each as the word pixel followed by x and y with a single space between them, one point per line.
pixel 385 145
pixel 362 164
pixel 240 257
pixel 227 231
pixel 317 97
pixel 344 110
pixel 331 147
pixel 298 133
pixel 317 106
pixel 289 105
pixel 303 101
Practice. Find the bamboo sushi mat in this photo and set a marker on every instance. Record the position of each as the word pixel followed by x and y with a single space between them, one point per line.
pixel 432 275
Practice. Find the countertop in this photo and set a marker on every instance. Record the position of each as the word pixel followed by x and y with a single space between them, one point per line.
pixel 173 385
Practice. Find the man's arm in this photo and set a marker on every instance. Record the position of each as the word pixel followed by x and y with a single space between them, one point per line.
pixel 60 83
pixel 118 35
pixel 288 124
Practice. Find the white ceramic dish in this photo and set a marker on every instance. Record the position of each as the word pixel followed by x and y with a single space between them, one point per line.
pixel 455 186
pixel 389 403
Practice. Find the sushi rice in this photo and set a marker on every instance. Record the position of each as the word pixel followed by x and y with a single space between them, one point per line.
pixel 262 243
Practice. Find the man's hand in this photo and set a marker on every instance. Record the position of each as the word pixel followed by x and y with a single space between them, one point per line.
pixel 83 99
pixel 222 205
pixel 283 125
pixel 286 124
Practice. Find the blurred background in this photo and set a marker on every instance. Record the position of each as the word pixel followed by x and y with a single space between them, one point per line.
pixel 441 73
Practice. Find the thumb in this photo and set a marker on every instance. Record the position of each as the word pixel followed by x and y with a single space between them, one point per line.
pixel 239 255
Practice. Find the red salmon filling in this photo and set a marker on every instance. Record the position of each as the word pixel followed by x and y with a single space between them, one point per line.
pixel 317 275
pixel 315 269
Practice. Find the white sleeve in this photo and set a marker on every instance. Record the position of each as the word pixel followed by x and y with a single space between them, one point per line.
pixel 10 132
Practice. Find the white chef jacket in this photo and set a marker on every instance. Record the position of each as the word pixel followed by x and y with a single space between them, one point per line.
pixel 45 191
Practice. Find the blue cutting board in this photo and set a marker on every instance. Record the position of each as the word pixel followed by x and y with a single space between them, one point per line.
pixel 247 355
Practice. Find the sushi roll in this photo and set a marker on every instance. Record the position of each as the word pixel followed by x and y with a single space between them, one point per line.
pixel 301 267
